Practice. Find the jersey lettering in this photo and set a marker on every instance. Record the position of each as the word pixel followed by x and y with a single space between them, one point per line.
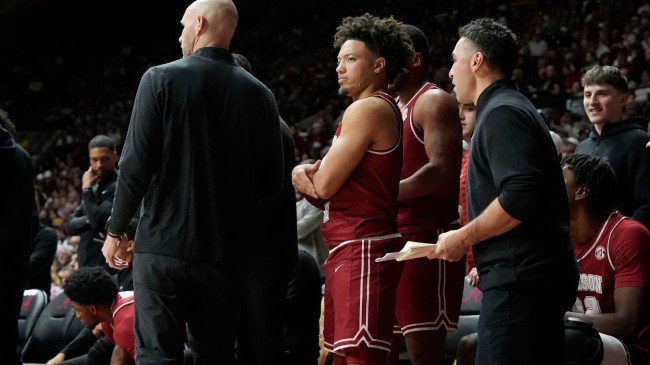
pixel 590 282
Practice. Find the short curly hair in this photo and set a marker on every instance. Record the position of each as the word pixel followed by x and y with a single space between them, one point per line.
pixel 384 36
pixel 91 285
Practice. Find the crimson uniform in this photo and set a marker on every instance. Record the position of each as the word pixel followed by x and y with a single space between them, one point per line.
pixel 360 225
pixel 430 291
pixel 617 256
pixel 121 331
pixel 462 201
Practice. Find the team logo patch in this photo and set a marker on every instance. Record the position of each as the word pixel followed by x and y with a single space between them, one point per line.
pixel 600 253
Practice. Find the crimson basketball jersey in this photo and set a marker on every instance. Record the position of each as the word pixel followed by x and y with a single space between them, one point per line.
pixel 617 256
pixel 365 205
pixel 424 213
pixel 121 331
pixel 462 194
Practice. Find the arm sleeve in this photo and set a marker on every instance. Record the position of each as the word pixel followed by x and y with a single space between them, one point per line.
pixel 631 255
pixel 270 161
pixel 44 248
pixel 123 335
pixel 83 340
pixel 514 155
pixel 77 224
pixel 140 155
pixel 98 213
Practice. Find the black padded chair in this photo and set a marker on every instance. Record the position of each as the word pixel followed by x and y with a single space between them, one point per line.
pixel 34 301
pixel 56 326
pixel 468 321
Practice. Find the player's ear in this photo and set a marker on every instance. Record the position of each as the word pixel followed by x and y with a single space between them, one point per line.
pixel 417 59
pixel 582 192
pixel 477 60
pixel 380 64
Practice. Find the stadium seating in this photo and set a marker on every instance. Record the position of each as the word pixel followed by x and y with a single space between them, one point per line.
pixel 34 301
pixel 56 326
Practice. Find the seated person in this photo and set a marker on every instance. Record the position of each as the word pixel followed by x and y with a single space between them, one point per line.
pixel 94 295
pixel 613 253
pixel 102 348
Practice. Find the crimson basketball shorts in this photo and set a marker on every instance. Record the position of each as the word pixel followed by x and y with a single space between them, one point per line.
pixel 359 294
pixel 430 292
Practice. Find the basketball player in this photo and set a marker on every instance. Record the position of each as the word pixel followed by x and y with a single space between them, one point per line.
pixel 357 184
pixel 430 291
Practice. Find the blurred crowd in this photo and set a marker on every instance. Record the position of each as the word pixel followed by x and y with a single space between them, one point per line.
pixel 60 100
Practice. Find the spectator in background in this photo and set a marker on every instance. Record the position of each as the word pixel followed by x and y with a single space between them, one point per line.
pixel 16 235
pixel 620 142
pixel 98 190
pixel 517 209
pixel 63 257
pixel 467 113
pixel 42 257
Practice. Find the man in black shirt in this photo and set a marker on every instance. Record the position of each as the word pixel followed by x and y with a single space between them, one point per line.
pixel 97 192
pixel 16 221
pixel 203 153
pixel 517 207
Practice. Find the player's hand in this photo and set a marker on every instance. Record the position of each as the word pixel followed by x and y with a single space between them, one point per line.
pixel 56 360
pixel 302 176
pixel 472 277
pixel 123 256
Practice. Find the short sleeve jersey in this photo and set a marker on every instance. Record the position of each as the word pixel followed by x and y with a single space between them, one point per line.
pixel 617 256
pixel 121 331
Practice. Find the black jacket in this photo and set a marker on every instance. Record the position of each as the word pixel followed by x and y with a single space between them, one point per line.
pixel 17 199
pixel 513 159
pixel 89 221
pixel 17 204
pixel 202 151
pixel 41 258
pixel 623 146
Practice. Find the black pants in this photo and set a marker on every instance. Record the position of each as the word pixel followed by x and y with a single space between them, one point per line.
pixel 99 354
pixel 174 294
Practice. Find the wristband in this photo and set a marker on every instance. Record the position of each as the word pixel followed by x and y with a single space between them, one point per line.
pixel 114 235
pixel 119 238
pixel 85 190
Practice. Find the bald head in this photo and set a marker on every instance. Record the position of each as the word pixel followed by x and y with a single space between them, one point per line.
pixel 208 23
